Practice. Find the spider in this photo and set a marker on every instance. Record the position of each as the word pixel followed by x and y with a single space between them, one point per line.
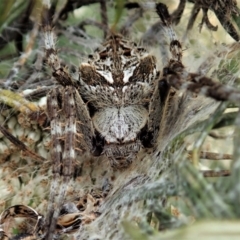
pixel 115 107
pixel 117 103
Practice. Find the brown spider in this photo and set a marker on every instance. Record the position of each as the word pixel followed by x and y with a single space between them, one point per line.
pixel 117 106
pixel 120 99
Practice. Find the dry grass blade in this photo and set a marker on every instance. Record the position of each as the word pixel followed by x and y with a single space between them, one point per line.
pixel 21 146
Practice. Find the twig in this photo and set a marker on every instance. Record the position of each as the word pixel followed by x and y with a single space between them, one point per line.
pixel 21 146
pixel 218 136
pixel 215 156
pixel 220 173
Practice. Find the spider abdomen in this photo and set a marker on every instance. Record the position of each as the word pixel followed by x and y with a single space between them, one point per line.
pixel 120 125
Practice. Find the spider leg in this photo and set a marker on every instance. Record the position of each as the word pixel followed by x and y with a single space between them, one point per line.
pixel 85 125
pixel 175 45
pixel 203 85
pixel 60 107
pixel 176 75
pixel 54 104
pixel 177 14
pixel 192 19
pixel 157 110
pixel 62 112
pixel 206 20
pixel 70 132
pixel 64 140
pixel 159 100
pixel 64 79
pixel 223 14
pixel 68 115
pixel 223 11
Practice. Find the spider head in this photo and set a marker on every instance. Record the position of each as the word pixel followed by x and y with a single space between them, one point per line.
pixel 121 156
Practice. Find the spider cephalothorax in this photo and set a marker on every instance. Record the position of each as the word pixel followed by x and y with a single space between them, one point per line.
pixel 117 85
